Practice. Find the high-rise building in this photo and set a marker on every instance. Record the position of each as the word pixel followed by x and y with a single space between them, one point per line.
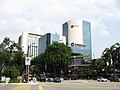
pixel 78 36
pixel 29 43
pixel 47 39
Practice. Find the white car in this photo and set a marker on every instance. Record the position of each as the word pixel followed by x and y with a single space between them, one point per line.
pixel 101 79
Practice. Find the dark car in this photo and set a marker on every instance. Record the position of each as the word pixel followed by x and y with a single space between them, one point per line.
pixel 73 78
pixel 42 78
pixel 57 80
pixel 114 79
pixel 67 78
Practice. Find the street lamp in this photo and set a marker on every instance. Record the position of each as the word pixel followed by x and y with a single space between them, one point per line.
pixel 27 62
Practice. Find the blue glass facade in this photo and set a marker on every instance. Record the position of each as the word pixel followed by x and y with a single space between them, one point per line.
pixel 86 28
pixel 54 38
pixel 47 39
pixel 87 39
pixel 65 31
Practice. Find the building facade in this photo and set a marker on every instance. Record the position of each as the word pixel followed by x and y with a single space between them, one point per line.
pixel 78 36
pixel 47 39
pixel 29 43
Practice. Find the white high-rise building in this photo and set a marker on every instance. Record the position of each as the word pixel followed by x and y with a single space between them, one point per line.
pixel 29 43
pixel 78 36
pixel 62 40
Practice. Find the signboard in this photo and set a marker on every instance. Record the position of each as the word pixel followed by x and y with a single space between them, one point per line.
pixel 27 60
pixel 77 45
pixel 73 26
pixel 79 61
pixel 3 78
pixel 7 79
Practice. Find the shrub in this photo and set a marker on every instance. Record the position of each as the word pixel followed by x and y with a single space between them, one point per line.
pixel 14 81
pixel 2 81
pixel 11 71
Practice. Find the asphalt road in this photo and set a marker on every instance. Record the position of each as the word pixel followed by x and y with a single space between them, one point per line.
pixel 7 87
pixel 19 87
pixel 82 86
pixel 63 86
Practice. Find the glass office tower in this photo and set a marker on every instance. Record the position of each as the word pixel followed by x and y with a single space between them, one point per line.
pixel 47 39
pixel 78 36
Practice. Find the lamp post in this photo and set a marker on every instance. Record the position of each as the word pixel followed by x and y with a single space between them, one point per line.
pixel 27 62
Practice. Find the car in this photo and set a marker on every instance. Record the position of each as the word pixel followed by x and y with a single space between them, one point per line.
pixel 101 79
pixel 73 78
pixel 114 79
pixel 42 78
pixel 56 80
pixel 50 79
pixel 67 78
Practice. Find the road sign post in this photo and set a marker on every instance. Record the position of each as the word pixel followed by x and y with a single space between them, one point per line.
pixel 27 63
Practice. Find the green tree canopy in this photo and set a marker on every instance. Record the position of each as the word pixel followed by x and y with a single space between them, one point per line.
pixel 11 55
pixel 111 57
pixel 57 58
pixel 11 71
pixel 38 65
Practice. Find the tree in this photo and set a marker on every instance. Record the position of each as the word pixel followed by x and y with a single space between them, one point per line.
pixel 18 58
pixel 87 72
pixel 11 55
pixel 5 54
pixel 115 56
pixel 98 65
pixel 11 71
pixel 112 58
pixel 57 58
pixel 4 59
pixel 38 65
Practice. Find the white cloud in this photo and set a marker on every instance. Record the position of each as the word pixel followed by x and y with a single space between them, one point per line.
pixel 26 13
pixel 106 33
pixel 14 6
pixel 41 16
pixel 100 28
pixel 2 24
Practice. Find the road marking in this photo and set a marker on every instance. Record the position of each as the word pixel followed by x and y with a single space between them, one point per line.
pixel 22 87
pixel 40 87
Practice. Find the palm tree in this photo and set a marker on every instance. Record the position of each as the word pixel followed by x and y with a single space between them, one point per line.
pixel 106 56
pixel 112 57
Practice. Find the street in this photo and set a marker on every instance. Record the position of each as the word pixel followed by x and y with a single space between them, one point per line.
pixel 63 86
pixel 82 86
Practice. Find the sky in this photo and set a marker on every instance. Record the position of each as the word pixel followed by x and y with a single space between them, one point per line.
pixel 43 16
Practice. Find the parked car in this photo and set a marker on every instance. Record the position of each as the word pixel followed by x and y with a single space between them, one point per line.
pixel 42 78
pixel 73 78
pixel 57 80
pixel 67 78
pixel 114 79
pixel 101 79
pixel 50 80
